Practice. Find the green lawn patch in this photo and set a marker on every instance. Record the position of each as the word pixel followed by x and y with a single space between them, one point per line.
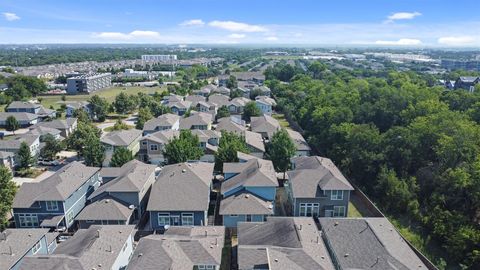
pixel 281 119
pixel 353 211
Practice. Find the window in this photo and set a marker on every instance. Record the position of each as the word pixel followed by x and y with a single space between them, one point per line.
pixel 52 205
pixel 163 219
pixel 339 211
pixel 309 209
pixel 144 142
pixel 28 220
pixel 187 219
pixel 249 218
pixel 336 195
pixel 37 247
pixel 153 147
pixel 233 215
pixel 206 267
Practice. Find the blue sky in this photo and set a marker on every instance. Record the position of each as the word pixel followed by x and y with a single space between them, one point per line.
pixel 349 22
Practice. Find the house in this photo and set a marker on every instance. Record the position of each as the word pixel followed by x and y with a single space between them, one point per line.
pixel 247 76
pixel 209 140
pixel 153 144
pixel 180 248
pixel 57 200
pixel 7 159
pixel 172 98
pixel 13 144
pixel 255 144
pixel 181 195
pixel 206 90
pixel 248 191
pixel 283 243
pixel 197 120
pixel 163 122
pixel 78 105
pixel 245 91
pixel 263 90
pixel 367 243
pixel 231 124
pixel 129 139
pixel 219 100
pixel 265 104
pixel 237 105
pixel 207 107
pixel 66 127
pixel 125 196
pixel 194 99
pixel 24 119
pixel 467 83
pixel 44 131
pixel 222 90
pixel 98 247
pixel 29 107
pixel 15 244
pixel 265 125
pixel 301 145
pixel 316 187
pixel 179 107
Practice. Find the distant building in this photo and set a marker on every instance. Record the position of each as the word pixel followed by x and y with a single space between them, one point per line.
pixel 134 74
pixel 470 65
pixel 155 58
pixel 467 83
pixel 78 105
pixel 88 83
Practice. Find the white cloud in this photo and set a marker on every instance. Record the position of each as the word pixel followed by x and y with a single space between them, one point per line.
pixel 10 16
pixel 271 38
pixel 237 36
pixel 456 40
pixel 404 16
pixel 400 42
pixel 194 22
pixel 137 34
pixel 237 26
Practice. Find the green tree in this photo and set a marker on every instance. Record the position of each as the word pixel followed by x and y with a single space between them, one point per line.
pixel 280 149
pixel 93 151
pixel 144 115
pixel 81 116
pixel 51 148
pixel 230 143
pixel 99 107
pixel 7 194
pixel 77 140
pixel 120 156
pixel 11 124
pixel 124 103
pixel 183 148
pixel 223 112
pixel 251 110
pixel 120 125
pixel 232 82
pixel 25 158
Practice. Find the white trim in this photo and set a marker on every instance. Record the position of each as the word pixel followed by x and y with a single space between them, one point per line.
pixel 50 208
pixel 189 215
pixel 336 197
pixel 339 207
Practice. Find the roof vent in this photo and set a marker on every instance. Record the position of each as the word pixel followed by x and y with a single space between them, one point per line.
pixel 184 170
pixel 247 195
pixel 131 206
pixel 140 254
pixel 270 207
pixel 336 223
pixel 107 200
pixel 276 260
pixel 346 255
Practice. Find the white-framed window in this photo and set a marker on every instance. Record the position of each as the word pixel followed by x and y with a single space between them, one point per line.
pixel 336 195
pixel 52 205
pixel 153 147
pixel 70 217
pixel 309 209
pixel 339 211
pixel 144 143
pixel 187 219
pixel 36 248
pixel 163 219
pixel 206 267
pixel 28 220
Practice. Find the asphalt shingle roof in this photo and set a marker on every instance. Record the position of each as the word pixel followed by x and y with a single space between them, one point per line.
pixel 106 209
pixel 265 124
pixel 199 118
pixel 245 203
pixel 163 120
pixel 253 173
pixel 14 243
pixel 121 137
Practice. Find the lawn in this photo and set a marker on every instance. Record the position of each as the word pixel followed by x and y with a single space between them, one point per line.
pixel 353 211
pixel 281 118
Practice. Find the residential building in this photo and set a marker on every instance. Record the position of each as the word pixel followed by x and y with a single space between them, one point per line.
pixel 265 125
pixel 263 90
pixel 207 107
pixel 248 191
pixel 265 104
pixel 24 119
pixel 195 99
pixel 44 131
pixel 134 74
pixel 88 83
pixel 124 194
pixel 282 243
pixel 231 124
pixel 180 248
pixel 15 244
pixel 255 144
pixel 222 90
pixel 78 105
pixel 7 159
pixel 367 243
pixel 209 140
pixel 98 247
pixel 317 188
pixel 471 65
pixel 129 139
pixel 206 90
pixel 246 76
pixel 155 58
pixel 57 200
pixel 219 100
pixel 237 105
pixel 66 127
pixel 181 195
pixel 166 121
pixel 153 144
pixel 13 143
pixel 467 83
pixel 29 107
pixel 179 107
pixel 197 120
pixel 301 145
pixel 245 91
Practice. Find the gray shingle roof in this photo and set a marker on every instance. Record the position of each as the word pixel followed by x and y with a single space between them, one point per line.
pixel 245 203
pixel 219 99
pixel 282 243
pixel 266 100
pixel 254 140
pixel 371 243
pixel 253 173
pixel 181 187
pixel 179 248
pixel 121 137
pixel 195 99
pixel 14 243
pixel 180 104
pixel 297 138
pixel 199 118
pixel 163 120
pixel 57 187
pixel 23 105
pixel 231 125
pixel 86 250
pixel 106 209
pixel 58 123
pixel 313 174
pixel 20 116
pixel 265 124
pixel 163 136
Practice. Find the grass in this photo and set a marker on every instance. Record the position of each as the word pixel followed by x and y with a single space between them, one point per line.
pixel 353 211
pixel 110 129
pixel 281 119
pixel 30 172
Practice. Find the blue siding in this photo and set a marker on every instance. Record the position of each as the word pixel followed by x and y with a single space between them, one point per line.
pixel 267 193
pixel 233 191
pixel 199 218
pixel 231 221
pixel 43 251
pixel 229 175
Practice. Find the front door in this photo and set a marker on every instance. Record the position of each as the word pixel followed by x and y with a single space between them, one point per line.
pixel 175 221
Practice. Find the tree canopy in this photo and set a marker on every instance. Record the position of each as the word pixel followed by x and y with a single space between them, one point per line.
pixel 230 143
pixel 280 149
pixel 120 156
pixel 11 124
pixel 7 194
pixel 183 148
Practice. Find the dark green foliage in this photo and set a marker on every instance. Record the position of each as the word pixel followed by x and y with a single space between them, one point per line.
pixel 11 124
pixel 99 108
pixel 223 112
pixel 77 140
pixel 93 152
pixel 230 144
pixel 20 87
pixel 183 148
pixel 251 110
pixel 25 158
pixel 120 156
pixel 81 116
pixel 7 194
pixel 144 115
pixel 51 148
pixel 120 125
pixel 280 149
pixel 124 103
pixel 232 82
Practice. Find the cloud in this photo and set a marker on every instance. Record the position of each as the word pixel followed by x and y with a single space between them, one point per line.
pixel 10 16
pixel 271 38
pixel 137 34
pixel 400 42
pixel 404 15
pixel 456 40
pixel 237 26
pixel 237 36
pixel 194 22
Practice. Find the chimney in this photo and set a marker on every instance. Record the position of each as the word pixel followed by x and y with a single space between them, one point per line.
pixel 98 234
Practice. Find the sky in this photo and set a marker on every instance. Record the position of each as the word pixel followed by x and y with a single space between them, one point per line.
pixel 418 23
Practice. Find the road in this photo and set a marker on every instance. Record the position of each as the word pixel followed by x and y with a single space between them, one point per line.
pixel 131 120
